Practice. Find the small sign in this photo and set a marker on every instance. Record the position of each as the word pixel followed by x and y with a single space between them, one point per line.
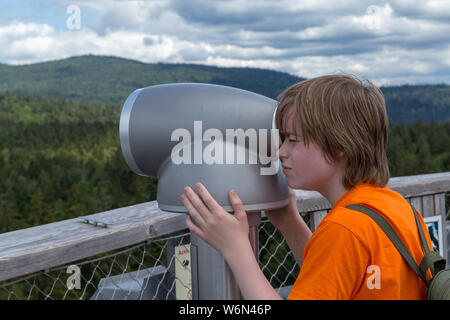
pixel 434 225
pixel 183 282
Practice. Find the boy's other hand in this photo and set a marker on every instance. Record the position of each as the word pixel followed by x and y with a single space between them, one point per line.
pixel 224 231
pixel 282 218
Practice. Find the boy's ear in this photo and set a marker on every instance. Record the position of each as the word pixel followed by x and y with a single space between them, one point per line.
pixel 341 154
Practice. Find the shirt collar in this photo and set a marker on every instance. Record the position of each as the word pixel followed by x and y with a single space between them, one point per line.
pixel 348 194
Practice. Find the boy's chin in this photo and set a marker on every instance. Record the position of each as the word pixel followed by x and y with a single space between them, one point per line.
pixel 299 186
pixel 294 184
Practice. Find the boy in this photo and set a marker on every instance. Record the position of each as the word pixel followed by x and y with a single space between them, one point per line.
pixel 334 133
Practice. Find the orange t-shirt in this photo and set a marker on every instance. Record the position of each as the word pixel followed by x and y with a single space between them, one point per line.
pixel 350 257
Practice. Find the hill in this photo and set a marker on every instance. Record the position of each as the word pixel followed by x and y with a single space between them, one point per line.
pixel 428 103
pixel 111 79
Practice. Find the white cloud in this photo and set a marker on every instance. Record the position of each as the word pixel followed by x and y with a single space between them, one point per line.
pixel 430 9
pixel 395 42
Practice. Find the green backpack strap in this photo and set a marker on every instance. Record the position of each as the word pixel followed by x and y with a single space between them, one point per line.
pixel 431 259
pixel 392 235
pixel 423 240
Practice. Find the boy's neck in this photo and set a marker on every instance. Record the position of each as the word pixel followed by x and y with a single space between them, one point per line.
pixel 334 189
pixel 334 193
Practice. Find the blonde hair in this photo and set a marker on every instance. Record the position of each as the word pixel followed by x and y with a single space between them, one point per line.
pixel 341 113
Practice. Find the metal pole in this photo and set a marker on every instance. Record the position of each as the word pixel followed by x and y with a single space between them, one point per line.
pixel 212 279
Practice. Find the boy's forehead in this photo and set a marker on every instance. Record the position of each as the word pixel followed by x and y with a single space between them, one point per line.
pixel 288 122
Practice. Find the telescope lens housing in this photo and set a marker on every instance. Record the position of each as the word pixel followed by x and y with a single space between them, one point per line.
pixel 220 136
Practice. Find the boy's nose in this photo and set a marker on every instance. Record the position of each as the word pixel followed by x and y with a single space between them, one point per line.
pixel 282 152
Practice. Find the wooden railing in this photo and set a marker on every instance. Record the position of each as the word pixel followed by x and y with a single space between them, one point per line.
pixel 39 248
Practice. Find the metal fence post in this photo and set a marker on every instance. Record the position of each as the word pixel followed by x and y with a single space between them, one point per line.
pixel 212 279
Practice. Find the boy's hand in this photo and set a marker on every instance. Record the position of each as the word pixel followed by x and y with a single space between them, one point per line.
pixel 282 218
pixel 224 231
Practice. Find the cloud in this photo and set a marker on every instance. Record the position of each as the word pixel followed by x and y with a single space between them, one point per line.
pixel 389 42
pixel 419 9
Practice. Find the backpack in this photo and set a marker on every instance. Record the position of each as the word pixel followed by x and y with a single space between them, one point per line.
pixel 438 288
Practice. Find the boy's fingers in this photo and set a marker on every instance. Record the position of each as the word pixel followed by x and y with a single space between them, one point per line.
pixel 236 202
pixel 207 197
pixel 192 210
pixel 196 202
pixel 193 228
pixel 293 198
pixel 291 192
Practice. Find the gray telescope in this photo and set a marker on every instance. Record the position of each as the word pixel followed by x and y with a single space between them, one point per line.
pixel 220 136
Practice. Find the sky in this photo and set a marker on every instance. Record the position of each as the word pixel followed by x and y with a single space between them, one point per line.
pixel 388 42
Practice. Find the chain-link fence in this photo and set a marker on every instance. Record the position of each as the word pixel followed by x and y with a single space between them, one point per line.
pixel 275 258
pixel 141 271
pixel 148 270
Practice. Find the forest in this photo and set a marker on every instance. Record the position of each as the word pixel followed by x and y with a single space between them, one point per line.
pixel 61 158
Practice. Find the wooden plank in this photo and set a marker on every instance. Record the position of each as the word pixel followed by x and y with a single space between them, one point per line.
pixel 317 217
pixel 428 206
pixel 29 250
pixel 417 203
pixel 418 185
pixel 439 204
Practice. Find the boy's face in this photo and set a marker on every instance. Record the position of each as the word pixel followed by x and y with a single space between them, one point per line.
pixel 305 167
